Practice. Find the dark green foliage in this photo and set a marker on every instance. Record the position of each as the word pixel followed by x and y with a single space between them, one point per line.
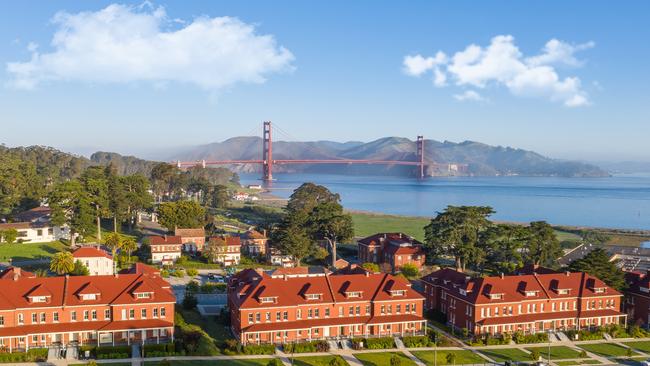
pixel 305 347
pixel 417 341
pixel 450 358
pixel 258 349
pixel 337 361
pixel 534 355
pixel 409 270
pixel 597 264
pixel 542 247
pixel 192 339
pixel 33 355
pixel 379 343
pixel 189 301
pixel 371 267
pixel 521 338
pixel 395 360
pixel 181 214
pixel 79 269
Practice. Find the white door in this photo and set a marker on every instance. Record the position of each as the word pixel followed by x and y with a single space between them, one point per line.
pixel 326 332
pixel 123 314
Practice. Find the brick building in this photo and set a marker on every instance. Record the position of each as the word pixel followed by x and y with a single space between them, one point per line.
pixel 193 239
pixel 165 249
pixel 78 310
pixel 294 304
pixel 637 297
pixel 527 303
pixel 228 249
pixel 254 243
pixel 391 249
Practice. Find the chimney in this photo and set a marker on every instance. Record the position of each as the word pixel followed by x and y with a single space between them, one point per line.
pixel 568 273
pixel 285 277
pixel 264 232
pixel 502 275
pixel 367 274
pixel 333 254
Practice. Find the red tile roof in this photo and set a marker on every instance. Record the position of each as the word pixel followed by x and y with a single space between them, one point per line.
pixel 90 252
pixel 514 288
pixel 529 318
pixel 190 233
pixel 10 272
pixel 33 214
pixel 378 238
pixel 162 240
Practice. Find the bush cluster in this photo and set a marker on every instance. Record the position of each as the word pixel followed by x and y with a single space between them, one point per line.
pixel 258 349
pixel 417 341
pixel 33 355
pixel 521 338
pixel 162 350
pixel 305 347
pixel 373 343
pixel 192 339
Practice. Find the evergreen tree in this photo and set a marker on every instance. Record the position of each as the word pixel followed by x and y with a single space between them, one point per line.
pixel 597 263
pixel 71 206
pixel 181 214
pixel 96 187
pixel 543 247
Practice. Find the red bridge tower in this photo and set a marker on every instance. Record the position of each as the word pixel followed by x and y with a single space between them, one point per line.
pixel 420 155
pixel 267 153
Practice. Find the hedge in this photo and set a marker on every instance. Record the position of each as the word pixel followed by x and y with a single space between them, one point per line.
pixel 107 352
pixel 520 338
pixel 259 349
pixel 373 343
pixel 416 341
pixel 305 347
pixel 33 355
pixel 162 350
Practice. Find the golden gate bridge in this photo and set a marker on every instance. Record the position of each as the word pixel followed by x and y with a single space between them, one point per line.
pixel 268 162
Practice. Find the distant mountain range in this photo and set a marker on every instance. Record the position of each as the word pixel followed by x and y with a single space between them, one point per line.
pixel 477 159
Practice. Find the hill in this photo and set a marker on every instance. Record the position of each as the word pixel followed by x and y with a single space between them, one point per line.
pixel 480 159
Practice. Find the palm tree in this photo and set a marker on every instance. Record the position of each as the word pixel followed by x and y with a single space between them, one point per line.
pixel 129 245
pixel 62 263
pixel 114 242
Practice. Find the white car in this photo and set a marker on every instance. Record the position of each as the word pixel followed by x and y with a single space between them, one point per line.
pixel 645 363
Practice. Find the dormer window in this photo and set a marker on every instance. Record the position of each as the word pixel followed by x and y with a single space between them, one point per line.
pixel 266 300
pixel 313 296
pixel 143 295
pixel 563 291
pixel 462 292
pixel 398 293
pixel 353 294
pixel 88 297
pixel 496 296
pixel 644 289
pixel 599 290
pixel 530 293
pixel 38 298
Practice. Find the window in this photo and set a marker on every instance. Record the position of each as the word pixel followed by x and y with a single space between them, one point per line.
pixel 131 314
pixel 94 314
pixel 390 309
pixel 43 318
pixel 408 308
pixel 327 312
pixel 162 312
pixel 21 319
pixel 39 232
pixel 85 314
pixel 351 310
pixel 285 315
pixel 278 316
pixel 107 314
pixel 367 309
pixel 316 313
pixel 34 318
pixel 258 317
pixel 313 296
pixel 2 320
pixel 398 308
pixel 310 313
pixel 341 311
pixel 250 317
pixel 35 338
pixel 143 313
pixel 73 316
pixel 383 309
pixel 299 314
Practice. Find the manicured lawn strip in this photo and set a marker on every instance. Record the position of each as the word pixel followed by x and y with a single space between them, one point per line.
pixel 209 324
pixel 462 357
pixel 640 345
pixel 578 362
pixel 252 362
pixel 382 358
pixel 99 363
pixel 557 352
pixel 315 360
pixel 26 251
pixel 366 224
pixel 506 354
pixel 605 349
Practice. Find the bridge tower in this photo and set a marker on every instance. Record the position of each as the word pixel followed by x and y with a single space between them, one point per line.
pixel 419 143
pixel 267 153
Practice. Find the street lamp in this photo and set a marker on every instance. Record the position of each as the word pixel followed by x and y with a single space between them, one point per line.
pixel 435 349
pixel 549 347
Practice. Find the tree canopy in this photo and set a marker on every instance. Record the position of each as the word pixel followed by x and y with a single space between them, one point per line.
pixel 181 214
pixel 597 263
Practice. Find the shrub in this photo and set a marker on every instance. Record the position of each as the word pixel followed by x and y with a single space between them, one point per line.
pixel 534 355
pixel 33 355
pixel 409 270
pixel 189 301
pixel 638 332
pixel 451 358
pixel 305 347
pixel 416 341
pixel 275 362
pixel 370 267
pixel 520 338
pixel 395 360
pixel 357 343
pixel 164 273
pixel 259 349
pixel 193 340
pixel 582 354
pixel 192 272
pixel 337 361
pixel 379 343
pixel 179 273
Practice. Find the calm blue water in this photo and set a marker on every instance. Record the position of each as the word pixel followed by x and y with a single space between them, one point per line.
pixel 617 202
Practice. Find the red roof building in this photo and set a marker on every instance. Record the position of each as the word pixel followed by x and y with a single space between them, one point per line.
pixel 165 249
pixel 193 239
pixel 637 297
pixel 96 260
pixel 526 303
pixel 95 310
pixel 301 305
pixel 391 249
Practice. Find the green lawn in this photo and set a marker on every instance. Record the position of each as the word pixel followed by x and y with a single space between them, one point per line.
pixel 26 251
pixel 252 362
pixel 111 364
pixel 506 354
pixel 462 357
pixel 315 360
pixel 605 349
pixel 578 362
pixel 557 353
pixel 640 345
pixel 366 224
pixel 382 358
pixel 209 324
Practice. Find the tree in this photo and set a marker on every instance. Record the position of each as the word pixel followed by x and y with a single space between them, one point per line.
pixel 137 197
pixel 451 358
pixel 395 360
pixel 71 206
pixel 409 270
pixel 306 197
pixel 162 179
pixel 129 245
pixel 114 242
pixel 218 196
pixel 181 214
pixel 79 269
pixel 594 237
pixel 457 232
pixel 328 221
pixel 117 197
pixel 292 239
pixel 534 355
pixel 62 263
pixel 503 244
pixel 542 247
pixel 597 263
pixel 96 187
pixel 8 236
pixel 370 267
pixel 215 251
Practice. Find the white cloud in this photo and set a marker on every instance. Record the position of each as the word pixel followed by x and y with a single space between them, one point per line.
pixel 501 63
pixel 469 95
pixel 122 44
pixel 418 65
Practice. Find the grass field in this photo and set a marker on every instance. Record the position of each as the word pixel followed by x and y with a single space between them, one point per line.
pixel 506 354
pixel 606 349
pixel 252 362
pixel 462 357
pixel 577 362
pixel 643 346
pixel 209 324
pixel 382 358
pixel 27 251
pixel 315 360
pixel 557 353
pixel 368 223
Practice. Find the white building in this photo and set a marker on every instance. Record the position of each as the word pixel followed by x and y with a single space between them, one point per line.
pixel 98 262
pixel 165 249
pixel 228 250
pixel 33 226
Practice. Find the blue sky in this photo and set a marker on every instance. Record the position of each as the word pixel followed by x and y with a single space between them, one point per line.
pixel 328 70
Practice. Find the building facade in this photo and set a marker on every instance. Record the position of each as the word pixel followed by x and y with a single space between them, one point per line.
pixel 254 243
pixel 228 249
pixel 392 250
pixel 527 303
pixel 193 239
pixel 637 298
pixel 98 262
pixel 294 305
pixel 34 226
pixel 165 249
pixel 78 310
